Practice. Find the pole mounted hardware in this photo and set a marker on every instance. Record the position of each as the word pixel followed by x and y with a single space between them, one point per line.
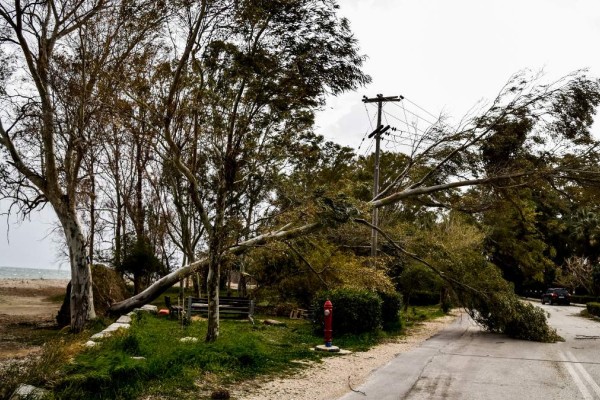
pixel 379 99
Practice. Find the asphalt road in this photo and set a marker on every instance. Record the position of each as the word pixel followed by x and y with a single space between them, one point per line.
pixel 464 362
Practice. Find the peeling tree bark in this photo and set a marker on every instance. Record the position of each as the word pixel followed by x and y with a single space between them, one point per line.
pixel 82 299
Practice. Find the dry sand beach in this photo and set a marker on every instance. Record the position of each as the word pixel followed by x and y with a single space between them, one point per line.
pixel 25 305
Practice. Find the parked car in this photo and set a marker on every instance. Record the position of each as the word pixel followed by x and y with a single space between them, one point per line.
pixel 556 296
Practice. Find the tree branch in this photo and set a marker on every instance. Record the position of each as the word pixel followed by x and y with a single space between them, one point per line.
pixel 441 274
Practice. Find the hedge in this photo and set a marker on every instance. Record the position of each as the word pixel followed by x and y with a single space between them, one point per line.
pixel 390 309
pixel 354 311
pixel 593 308
pixel 584 299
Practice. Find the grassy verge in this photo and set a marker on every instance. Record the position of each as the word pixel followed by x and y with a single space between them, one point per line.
pixel 149 360
pixel 175 369
pixel 413 315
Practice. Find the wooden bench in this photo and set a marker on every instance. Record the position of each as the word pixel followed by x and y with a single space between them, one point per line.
pixel 227 305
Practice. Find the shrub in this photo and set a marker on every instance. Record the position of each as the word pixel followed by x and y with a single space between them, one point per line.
pixel 390 309
pixel 593 308
pixel 354 311
pixel 583 299
pixel 423 298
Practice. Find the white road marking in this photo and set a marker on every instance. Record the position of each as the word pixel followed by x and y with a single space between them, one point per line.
pixel 586 375
pixel 580 385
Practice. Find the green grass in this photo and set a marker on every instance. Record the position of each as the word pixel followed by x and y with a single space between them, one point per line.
pixel 416 314
pixel 172 369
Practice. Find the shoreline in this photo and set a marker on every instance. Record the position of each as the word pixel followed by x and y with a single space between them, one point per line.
pixel 32 283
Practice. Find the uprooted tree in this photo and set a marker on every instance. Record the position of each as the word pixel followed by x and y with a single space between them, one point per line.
pixel 530 133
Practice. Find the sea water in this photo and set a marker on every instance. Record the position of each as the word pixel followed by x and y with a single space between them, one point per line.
pixel 34 273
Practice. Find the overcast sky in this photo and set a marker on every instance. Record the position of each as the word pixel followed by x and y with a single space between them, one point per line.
pixel 445 56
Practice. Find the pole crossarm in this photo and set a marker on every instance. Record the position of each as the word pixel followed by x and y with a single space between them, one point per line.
pixel 381 98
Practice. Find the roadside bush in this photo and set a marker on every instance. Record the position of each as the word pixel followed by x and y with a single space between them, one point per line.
pixel 583 299
pixel 390 309
pixel 424 298
pixel 593 308
pixel 354 311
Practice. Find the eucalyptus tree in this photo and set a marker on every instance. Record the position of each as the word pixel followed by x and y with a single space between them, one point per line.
pixel 57 51
pixel 256 71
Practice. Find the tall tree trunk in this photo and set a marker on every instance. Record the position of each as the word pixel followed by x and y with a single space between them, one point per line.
pixel 212 285
pixel 82 300
pixel 92 211
pixel 216 248
pixel 214 272
pixel 196 284
pixel 120 224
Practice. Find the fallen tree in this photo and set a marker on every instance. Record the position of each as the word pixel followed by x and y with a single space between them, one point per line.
pixel 532 128
pixel 158 287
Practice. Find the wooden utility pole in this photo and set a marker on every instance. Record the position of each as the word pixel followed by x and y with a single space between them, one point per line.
pixel 377 133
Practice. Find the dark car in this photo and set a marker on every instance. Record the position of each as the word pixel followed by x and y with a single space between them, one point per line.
pixel 556 296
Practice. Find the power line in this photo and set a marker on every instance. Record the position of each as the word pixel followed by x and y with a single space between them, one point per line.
pixel 408 126
pixel 367 132
pixel 414 114
pixel 421 108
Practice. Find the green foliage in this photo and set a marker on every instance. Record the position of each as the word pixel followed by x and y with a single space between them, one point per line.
pixel 416 314
pixel 514 242
pixel 581 299
pixel 593 308
pixel 526 321
pixel 423 298
pixel 285 276
pixel 140 258
pixel 391 303
pixel 336 211
pixel 503 312
pixel 282 276
pixel 418 284
pixel 354 311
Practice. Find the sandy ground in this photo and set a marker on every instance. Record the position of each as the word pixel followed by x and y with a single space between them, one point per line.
pixel 337 375
pixel 24 305
pixel 29 297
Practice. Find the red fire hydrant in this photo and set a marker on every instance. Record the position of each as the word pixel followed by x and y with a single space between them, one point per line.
pixel 328 312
